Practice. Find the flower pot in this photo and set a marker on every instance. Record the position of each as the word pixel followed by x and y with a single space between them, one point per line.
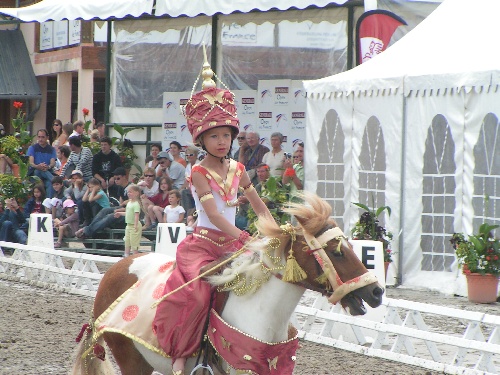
pixel 15 170
pixel 482 288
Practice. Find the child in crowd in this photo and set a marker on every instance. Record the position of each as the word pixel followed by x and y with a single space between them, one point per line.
pixel 94 200
pixel 53 204
pixel 34 205
pixel 133 230
pixel 174 213
pixel 76 191
pixel 68 226
pixel 150 187
pixel 191 220
pixel 160 201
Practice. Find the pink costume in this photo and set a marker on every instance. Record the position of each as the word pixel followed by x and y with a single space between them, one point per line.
pixel 180 318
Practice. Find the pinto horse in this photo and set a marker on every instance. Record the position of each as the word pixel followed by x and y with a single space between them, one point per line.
pixel 260 301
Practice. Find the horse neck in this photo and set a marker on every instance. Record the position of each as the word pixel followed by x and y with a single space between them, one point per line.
pixel 264 314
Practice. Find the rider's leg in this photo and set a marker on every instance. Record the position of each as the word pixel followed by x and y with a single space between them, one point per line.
pixel 178 366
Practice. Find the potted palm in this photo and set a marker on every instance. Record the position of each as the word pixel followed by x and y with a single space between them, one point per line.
pixel 479 257
pixel 368 228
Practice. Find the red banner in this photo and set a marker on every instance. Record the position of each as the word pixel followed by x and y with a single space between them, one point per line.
pixel 374 31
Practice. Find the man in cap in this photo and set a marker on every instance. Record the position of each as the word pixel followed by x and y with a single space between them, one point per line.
pixel 170 168
pixel 105 218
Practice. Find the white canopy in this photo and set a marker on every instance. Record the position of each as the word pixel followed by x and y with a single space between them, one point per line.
pixel 210 7
pixel 444 51
pixel 57 10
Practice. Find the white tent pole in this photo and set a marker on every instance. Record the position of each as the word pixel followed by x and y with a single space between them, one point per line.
pixel 401 236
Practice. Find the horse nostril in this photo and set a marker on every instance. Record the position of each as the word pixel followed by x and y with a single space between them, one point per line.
pixel 378 292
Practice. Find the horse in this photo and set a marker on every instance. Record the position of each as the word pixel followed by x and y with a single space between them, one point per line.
pixel 263 291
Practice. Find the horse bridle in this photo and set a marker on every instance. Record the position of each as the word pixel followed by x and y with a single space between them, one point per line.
pixel 316 248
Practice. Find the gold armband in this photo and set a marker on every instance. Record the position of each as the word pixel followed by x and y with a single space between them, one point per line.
pixel 206 196
pixel 248 188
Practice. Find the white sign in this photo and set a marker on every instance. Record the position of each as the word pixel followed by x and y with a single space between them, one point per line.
pixel 46 41
pixel 252 34
pixel 60 34
pixel 174 122
pixel 168 236
pixel 40 232
pixel 75 32
pixel 307 34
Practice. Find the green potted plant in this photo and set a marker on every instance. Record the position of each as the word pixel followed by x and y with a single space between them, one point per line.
pixel 125 148
pixel 368 228
pixel 15 187
pixel 479 257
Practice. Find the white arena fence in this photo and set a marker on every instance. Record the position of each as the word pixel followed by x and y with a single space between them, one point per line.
pixel 438 338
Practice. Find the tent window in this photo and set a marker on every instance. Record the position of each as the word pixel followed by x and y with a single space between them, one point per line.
pixel 331 165
pixel 486 197
pixel 438 197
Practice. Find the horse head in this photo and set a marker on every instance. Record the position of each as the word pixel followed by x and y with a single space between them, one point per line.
pixel 319 257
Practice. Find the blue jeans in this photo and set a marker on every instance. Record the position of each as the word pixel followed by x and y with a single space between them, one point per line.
pixel 10 232
pixel 46 178
pixel 104 219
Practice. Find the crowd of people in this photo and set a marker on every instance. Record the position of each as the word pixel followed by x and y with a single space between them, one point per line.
pixel 86 193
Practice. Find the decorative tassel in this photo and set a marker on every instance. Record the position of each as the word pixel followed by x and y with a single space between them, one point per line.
pixel 99 352
pixel 293 272
pixel 322 279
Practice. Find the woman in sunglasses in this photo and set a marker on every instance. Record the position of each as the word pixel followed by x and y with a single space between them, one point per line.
pixel 57 134
pixel 150 187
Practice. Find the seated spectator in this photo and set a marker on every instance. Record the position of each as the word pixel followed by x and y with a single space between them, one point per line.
pixel 187 200
pixel 62 153
pixel 242 142
pixel 263 174
pixel 53 202
pixel 174 212
pixel 105 218
pixel 94 200
pixel 175 151
pixel 150 188
pixel 153 163
pixel 171 168
pixel 80 158
pixel 294 173
pixel 94 136
pixel 10 223
pixel 105 162
pixel 191 220
pixel 276 157
pixel 42 159
pixel 251 155
pixel 76 191
pixel 68 224
pixel 67 130
pixel 34 205
pixel 78 129
pixel 160 201
pixel 5 164
pixel 101 128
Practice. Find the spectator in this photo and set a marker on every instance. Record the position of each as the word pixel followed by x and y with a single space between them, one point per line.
pixel 94 136
pixel 42 159
pixel 105 218
pixel 294 173
pixel 78 129
pixel 34 205
pixel 53 202
pixel 67 131
pixel 76 191
pixel 149 187
pixel 105 162
pixel 191 220
pixel 58 136
pixel 10 223
pixel 242 142
pixel 68 226
pixel 80 158
pixel 275 158
pixel 175 151
pixel 155 150
pixel 187 200
pixel 174 213
pixel 160 201
pixel 170 168
pixel 101 128
pixel 133 230
pixel 5 164
pixel 94 200
pixel 252 155
pixel 263 174
pixel 63 152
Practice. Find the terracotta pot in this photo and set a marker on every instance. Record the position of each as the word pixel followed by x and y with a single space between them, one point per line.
pixel 386 267
pixel 482 288
pixel 15 170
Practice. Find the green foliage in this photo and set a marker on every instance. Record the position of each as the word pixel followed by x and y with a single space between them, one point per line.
pixel 369 228
pixel 480 253
pixel 275 196
pixel 15 187
pixel 125 148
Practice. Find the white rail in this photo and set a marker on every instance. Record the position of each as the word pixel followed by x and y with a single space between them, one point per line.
pixel 409 332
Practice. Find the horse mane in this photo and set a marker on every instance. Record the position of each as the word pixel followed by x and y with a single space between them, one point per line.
pixel 246 272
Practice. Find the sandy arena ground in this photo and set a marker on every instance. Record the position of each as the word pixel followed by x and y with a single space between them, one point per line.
pixel 38 329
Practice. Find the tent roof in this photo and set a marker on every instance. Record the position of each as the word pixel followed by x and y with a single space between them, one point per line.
pixel 452 48
pixel 57 10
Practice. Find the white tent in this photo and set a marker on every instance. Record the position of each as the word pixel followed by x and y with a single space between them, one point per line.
pixel 417 128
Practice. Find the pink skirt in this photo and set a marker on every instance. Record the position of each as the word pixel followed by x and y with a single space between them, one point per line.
pixel 180 319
